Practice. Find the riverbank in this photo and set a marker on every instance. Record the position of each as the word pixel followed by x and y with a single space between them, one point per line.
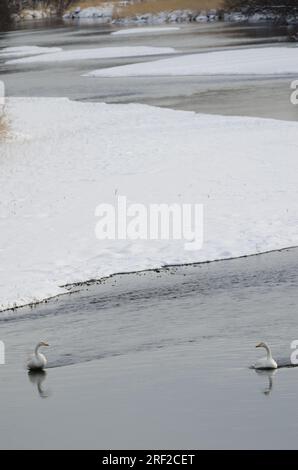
pixel 130 11
pixel 152 12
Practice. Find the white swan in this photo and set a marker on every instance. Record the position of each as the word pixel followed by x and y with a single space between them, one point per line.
pixel 37 360
pixel 265 362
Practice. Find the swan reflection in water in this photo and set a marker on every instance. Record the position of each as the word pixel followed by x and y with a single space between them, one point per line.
pixel 37 378
pixel 269 374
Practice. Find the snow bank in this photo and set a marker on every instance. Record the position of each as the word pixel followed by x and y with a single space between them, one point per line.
pixel 73 156
pixel 268 15
pixel 22 51
pixel 96 12
pixel 37 14
pixel 147 30
pixel 104 12
pixel 269 60
pixel 96 53
pixel 177 16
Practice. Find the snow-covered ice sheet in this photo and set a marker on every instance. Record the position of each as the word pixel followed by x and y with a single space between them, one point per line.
pixel 95 53
pixel 22 51
pixel 148 30
pixel 263 61
pixel 64 158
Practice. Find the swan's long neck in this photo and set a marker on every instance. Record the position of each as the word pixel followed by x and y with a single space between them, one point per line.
pixel 36 349
pixel 269 355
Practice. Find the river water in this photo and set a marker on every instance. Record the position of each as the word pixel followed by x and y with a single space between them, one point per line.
pixel 248 96
pixel 157 359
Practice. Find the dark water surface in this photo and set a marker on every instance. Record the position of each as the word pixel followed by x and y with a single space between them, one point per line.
pixel 158 359
pixel 248 96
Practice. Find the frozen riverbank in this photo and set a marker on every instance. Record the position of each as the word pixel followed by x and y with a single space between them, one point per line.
pixel 92 151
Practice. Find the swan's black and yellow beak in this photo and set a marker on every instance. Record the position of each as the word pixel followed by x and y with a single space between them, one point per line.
pixel 259 345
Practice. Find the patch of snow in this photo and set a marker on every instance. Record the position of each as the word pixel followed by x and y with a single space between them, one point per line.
pixel 260 61
pixel 256 17
pixel 22 51
pixel 202 18
pixel 144 30
pixel 104 11
pixel 244 171
pixel 36 14
pixel 93 12
pixel 33 14
pixel 175 16
pixel 235 17
pixel 95 53
pixel 207 16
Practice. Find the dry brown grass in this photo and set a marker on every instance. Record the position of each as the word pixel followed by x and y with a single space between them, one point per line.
pixel 154 6
pixel 88 3
pixel 3 127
